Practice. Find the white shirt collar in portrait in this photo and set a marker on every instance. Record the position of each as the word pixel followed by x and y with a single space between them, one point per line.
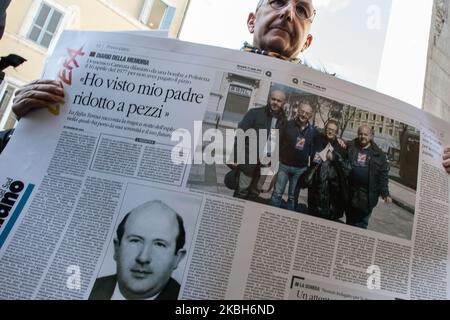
pixel 117 295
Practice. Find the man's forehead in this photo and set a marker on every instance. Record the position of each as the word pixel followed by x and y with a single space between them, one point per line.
pixel 364 130
pixel 305 105
pixel 152 219
pixel 278 94
pixel 331 124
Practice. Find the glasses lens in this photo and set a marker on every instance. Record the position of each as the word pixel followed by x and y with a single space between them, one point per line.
pixel 304 113
pixel 278 4
pixel 302 10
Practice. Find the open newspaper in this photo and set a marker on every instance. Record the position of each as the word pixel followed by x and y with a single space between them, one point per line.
pixel 140 118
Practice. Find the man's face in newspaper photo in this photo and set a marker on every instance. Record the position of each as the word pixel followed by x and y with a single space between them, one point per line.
pixel 305 113
pixel 277 100
pixel 147 253
pixel 364 136
pixel 282 26
pixel 331 131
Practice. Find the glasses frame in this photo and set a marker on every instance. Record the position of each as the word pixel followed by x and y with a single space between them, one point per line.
pixel 311 18
pixel 300 112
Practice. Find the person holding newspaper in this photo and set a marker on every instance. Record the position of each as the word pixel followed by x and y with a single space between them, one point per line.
pixel 149 245
pixel 368 179
pixel 280 28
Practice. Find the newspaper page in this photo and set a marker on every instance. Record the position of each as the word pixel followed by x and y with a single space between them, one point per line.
pixel 128 189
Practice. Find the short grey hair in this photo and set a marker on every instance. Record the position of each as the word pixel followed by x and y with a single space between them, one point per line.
pixel 366 127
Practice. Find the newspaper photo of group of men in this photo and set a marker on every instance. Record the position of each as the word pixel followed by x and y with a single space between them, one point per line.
pixel 336 162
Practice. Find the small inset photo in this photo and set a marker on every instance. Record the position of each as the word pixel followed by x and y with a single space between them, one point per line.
pixel 147 255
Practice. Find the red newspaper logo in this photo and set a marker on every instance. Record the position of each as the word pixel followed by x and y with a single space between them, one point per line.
pixel 66 72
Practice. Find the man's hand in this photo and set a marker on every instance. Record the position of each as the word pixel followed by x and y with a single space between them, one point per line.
pixel 446 158
pixel 36 95
pixel 342 143
pixel 232 166
pixel 387 199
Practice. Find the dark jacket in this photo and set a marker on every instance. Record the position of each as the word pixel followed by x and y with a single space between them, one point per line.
pixel 4 138
pixel 378 174
pixel 104 289
pixel 3 6
pixel 257 118
pixel 289 154
pixel 328 192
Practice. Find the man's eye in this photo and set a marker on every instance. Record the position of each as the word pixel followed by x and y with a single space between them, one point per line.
pixel 278 4
pixel 301 11
pixel 134 240
pixel 160 244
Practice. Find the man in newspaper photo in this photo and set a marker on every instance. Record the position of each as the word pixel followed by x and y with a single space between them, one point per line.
pixel 272 116
pixel 368 178
pixel 295 149
pixel 327 175
pixel 149 245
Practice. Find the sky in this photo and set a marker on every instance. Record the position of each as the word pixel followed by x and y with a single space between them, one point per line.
pixel 382 44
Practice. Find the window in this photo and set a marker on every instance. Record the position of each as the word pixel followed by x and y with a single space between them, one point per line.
pixel 366 116
pixel 374 117
pixel 166 20
pixel 157 14
pixel 380 130
pixel 45 25
pixel 7 119
pixel 237 103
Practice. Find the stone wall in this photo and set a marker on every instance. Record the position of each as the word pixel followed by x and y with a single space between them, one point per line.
pixel 437 79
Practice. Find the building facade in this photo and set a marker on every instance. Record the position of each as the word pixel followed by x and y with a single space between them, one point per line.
pixel 437 80
pixel 33 27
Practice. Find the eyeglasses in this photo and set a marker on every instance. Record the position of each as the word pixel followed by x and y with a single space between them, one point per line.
pixel 303 10
pixel 304 113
